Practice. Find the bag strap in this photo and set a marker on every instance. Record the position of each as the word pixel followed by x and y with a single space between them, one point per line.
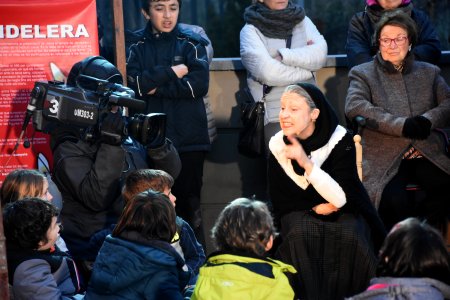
pixel 288 41
pixel 266 88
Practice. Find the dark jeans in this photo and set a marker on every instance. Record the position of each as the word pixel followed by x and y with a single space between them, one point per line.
pixel 187 189
pixel 430 202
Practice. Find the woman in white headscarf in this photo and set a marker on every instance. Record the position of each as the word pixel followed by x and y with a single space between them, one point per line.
pixel 330 231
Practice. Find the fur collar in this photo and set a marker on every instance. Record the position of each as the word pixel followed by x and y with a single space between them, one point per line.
pixel 318 156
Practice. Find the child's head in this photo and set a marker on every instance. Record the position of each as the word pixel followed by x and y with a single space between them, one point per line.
pixel 162 13
pixel 31 224
pixel 244 225
pixel 144 179
pixel 151 214
pixel 414 249
pixel 22 183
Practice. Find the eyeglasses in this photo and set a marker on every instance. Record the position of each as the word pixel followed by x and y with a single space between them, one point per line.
pixel 399 41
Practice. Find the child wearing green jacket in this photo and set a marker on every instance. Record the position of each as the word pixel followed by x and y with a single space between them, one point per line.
pixel 243 233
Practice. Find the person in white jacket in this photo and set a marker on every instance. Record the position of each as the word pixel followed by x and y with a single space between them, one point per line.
pixel 279 46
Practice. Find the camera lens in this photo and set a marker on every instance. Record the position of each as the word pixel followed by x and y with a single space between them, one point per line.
pixel 148 129
pixel 135 128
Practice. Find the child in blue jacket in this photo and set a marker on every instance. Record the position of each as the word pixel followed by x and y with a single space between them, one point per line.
pixel 137 261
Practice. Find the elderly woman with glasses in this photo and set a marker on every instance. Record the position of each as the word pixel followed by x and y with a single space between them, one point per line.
pixel 403 100
pixel 361 47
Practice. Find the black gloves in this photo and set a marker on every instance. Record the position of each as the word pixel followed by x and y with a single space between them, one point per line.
pixel 113 129
pixel 417 127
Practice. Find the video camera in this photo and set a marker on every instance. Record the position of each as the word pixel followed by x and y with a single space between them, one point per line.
pixel 53 103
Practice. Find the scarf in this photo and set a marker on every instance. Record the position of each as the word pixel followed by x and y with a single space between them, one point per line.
pixel 375 12
pixel 388 67
pixel 277 24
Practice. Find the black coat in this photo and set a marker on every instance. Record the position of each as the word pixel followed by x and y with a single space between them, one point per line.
pixel 90 177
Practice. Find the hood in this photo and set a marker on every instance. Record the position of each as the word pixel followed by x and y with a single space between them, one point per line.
pixel 121 263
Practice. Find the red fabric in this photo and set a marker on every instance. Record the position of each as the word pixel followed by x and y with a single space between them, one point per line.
pixel 378 286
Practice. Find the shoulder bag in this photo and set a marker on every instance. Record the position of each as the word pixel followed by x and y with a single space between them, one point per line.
pixel 251 136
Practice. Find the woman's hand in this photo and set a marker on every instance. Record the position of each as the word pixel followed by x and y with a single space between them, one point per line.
pixel 325 209
pixel 295 151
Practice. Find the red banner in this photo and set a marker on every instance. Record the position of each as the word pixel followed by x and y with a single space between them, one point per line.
pixel 39 41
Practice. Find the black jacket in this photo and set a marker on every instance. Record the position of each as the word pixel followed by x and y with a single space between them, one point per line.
pixel 361 48
pixel 90 177
pixel 149 66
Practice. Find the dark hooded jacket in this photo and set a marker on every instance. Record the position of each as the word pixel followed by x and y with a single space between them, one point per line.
pixel 130 267
pixel 149 66
pixel 45 274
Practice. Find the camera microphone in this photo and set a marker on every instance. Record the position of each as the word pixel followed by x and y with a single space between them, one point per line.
pixel 31 107
pixel 35 94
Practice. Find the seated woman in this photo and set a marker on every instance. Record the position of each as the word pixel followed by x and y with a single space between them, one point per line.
pixel 413 264
pixel 362 48
pixel 402 100
pixel 330 231
pixel 137 261
pixel 36 268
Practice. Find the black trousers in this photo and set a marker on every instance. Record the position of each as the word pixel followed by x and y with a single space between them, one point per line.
pixel 187 189
pixel 431 202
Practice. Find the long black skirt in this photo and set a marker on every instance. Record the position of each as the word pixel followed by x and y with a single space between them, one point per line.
pixel 334 259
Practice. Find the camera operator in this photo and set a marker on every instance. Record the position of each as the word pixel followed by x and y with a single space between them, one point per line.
pixel 90 174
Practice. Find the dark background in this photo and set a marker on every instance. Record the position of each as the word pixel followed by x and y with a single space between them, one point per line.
pixel 222 20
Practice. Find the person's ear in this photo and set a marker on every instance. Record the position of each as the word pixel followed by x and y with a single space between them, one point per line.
pixel 269 243
pixel 41 244
pixel 146 15
pixel 315 114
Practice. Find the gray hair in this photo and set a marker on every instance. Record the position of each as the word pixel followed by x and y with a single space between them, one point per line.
pixel 296 89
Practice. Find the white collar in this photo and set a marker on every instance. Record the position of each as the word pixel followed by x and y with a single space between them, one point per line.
pixel 277 146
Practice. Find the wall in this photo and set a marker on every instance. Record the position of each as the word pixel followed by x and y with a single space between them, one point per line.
pixel 229 175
